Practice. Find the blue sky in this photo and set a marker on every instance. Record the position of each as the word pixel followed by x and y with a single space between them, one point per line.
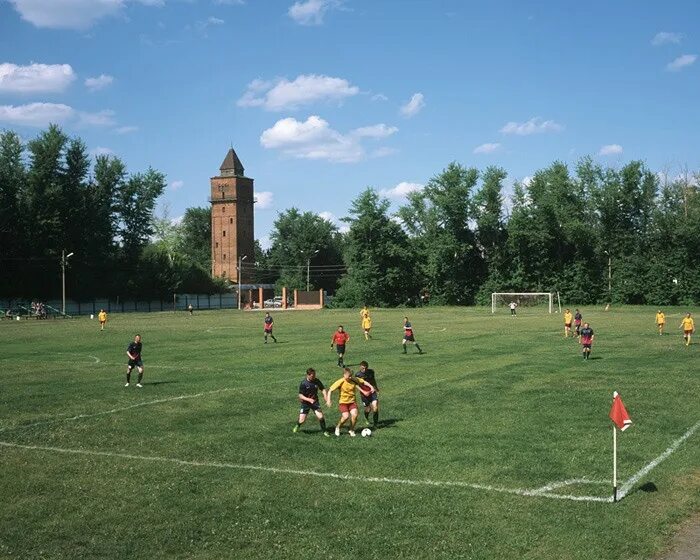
pixel 322 98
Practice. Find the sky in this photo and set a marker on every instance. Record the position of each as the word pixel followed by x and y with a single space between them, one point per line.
pixel 324 98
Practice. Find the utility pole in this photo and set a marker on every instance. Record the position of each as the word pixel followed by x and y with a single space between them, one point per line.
pixel 64 258
pixel 240 273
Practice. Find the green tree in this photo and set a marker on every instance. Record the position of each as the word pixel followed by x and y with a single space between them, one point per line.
pixel 379 257
pixel 195 238
pixel 136 202
pixel 439 219
pixel 12 226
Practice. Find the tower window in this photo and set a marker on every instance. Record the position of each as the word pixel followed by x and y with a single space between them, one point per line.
pixel 224 256
pixel 230 220
pixel 223 209
pixel 217 245
pixel 223 233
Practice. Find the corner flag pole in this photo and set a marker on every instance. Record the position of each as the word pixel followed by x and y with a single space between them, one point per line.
pixel 614 463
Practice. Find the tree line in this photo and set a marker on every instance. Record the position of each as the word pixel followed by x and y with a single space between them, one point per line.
pixel 593 233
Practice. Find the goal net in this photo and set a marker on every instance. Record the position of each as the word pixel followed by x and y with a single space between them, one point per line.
pixel 503 300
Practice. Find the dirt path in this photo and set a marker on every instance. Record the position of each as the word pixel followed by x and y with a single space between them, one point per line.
pixel 685 545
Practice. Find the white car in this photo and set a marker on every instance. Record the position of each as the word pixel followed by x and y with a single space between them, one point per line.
pixel 275 302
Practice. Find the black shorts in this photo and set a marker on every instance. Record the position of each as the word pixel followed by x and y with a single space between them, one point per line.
pixel 135 363
pixel 369 399
pixel 306 406
pixel 587 346
pixel 340 348
pixel 409 338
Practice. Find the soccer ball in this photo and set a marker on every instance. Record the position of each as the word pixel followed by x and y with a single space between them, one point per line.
pixel 366 432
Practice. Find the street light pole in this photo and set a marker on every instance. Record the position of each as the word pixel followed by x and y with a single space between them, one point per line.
pixel 308 270
pixel 609 275
pixel 240 273
pixel 64 258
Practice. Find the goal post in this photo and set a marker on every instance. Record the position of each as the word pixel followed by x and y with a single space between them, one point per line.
pixel 522 299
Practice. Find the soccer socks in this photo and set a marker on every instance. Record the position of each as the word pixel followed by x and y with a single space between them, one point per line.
pixel 322 421
pixel 128 376
pixel 375 417
pixel 404 349
pixel 273 338
pixel 419 350
pixel 140 377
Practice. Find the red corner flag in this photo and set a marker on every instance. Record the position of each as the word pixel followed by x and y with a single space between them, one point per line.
pixel 618 413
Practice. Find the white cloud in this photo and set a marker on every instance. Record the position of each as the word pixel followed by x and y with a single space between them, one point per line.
pixel 534 126
pixel 312 139
pixel 374 131
pixel 43 114
pixel 311 12
pixel 36 114
pixel 610 149
pixel 383 152
pixel 681 62
pixel 203 26
pixel 664 37
pixel 343 227
pixel 284 95
pixel 102 151
pixel 379 97
pixel 35 78
pixel 126 129
pixel 176 185
pixel 101 118
pixel 72 14
pixel 413 106
pixel 229 2
pixel 265 242
pixel 263 200
pixel 487 148
pixel 402 190
pixel 101 82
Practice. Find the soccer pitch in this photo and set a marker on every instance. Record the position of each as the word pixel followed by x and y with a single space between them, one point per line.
pixel 495 443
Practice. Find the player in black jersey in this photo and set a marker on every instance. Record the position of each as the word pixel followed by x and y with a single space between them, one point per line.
pixel 267 327
pixel 134 353
pixel 369 398
pixel 308 396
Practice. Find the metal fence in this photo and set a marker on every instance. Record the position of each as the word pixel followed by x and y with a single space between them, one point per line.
pixel 179 302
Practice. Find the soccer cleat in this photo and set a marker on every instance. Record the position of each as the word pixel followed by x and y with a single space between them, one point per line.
pixel 337 432
pixel 139 385
pixel 295 429
pixel 352 433
pixel 127 384
pixel 325 433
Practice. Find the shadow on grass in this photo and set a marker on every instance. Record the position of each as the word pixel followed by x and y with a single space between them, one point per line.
pixel 647 487
pixel 158 382
pixel 388 423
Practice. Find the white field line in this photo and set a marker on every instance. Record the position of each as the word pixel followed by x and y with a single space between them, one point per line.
pixel 320 474
pixel 556 485
pixel 627 486
pixel 137 405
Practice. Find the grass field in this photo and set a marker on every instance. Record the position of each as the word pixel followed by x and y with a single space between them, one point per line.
pixel 494 444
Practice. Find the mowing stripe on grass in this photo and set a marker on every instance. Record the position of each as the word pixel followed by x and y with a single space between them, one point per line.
pixel 627 486
pixel 538 493
pixel 137 405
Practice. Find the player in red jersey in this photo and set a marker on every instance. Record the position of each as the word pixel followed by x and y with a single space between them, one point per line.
pixel 408 335
pixel 340 338
pixel 586 340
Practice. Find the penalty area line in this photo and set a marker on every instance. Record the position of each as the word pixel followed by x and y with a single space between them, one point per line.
pixel 538 493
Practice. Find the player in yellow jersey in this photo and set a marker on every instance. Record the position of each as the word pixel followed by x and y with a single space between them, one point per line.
pixel 688 326
pixel 366 322
pixel 102 318
pixel 660 321
pixel 346 402
pixel 568 317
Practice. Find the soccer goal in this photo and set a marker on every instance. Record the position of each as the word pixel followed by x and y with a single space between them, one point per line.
pixel 522 299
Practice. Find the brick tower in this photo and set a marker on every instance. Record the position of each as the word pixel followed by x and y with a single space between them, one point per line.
pixel 232 234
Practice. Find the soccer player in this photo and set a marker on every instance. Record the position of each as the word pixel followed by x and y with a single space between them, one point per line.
pixel 308 396
pixel 512 306
pixel 586 340
pixel 688 326
pixel 369 398
pixel 660 321
pixel 340 338
pixel 190 309
pixel 567 323
pixel 366 321
pixel 577 322
pixel 346 401
pixel 134 353
pixel 267 327
pixel 102 318
pixel 408 335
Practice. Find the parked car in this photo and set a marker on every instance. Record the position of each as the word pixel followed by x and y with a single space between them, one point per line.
pixel 274 302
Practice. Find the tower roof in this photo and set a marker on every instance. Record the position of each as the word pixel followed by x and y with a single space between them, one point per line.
pixel 232 165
